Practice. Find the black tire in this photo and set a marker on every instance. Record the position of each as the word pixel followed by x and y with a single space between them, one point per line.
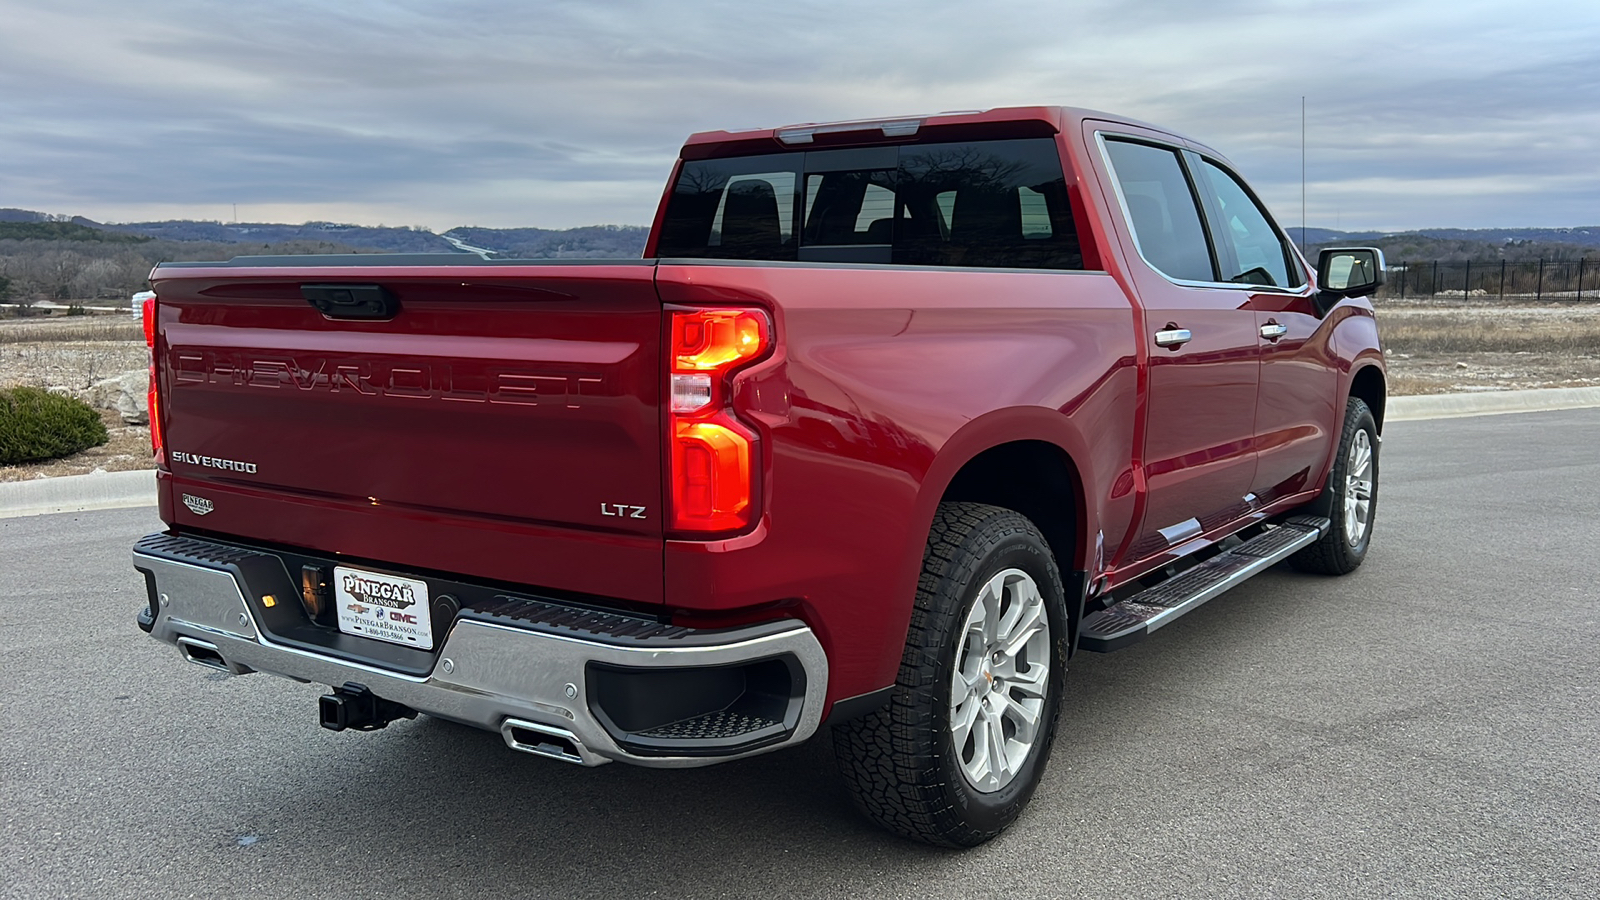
pixel 901 763
pixel 1337 553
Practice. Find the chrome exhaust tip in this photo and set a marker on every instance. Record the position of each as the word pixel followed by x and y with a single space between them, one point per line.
pixel 203 653
pixel 548 740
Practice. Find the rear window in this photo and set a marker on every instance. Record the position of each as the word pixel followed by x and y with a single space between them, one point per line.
pixel 999 204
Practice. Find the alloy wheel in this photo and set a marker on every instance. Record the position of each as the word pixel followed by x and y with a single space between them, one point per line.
pixel 1001 679
pixel 1358 488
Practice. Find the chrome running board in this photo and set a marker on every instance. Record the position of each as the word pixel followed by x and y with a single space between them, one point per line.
pixel 1132 619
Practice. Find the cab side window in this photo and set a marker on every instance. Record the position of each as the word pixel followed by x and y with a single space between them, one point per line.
pixel 1250 250
pixel 1161 210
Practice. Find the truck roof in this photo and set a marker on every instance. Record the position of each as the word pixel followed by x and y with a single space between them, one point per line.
pixel 1000 122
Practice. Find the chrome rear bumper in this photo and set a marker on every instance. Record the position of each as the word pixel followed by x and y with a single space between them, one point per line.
pixel 524 682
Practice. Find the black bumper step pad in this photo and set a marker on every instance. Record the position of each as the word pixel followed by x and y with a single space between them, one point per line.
pixel 577 621
pixel 713 726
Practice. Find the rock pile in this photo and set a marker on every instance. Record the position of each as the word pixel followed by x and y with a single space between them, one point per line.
pixel 125 393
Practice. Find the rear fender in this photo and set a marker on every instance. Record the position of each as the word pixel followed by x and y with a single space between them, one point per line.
pixel 995 429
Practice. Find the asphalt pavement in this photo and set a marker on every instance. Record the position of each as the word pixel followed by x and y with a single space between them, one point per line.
pixel 1426 727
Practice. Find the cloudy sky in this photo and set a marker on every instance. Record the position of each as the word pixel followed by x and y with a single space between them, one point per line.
pixel 1441 113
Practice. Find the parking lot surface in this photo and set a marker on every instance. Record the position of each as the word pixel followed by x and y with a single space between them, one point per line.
pixel 1427 726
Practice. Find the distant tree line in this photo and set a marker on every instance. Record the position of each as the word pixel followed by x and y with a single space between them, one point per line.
pixel 104 265
pixel 64 231
pixel 66 261
pixel 1411 246
pixel 32 269
pixel 391 239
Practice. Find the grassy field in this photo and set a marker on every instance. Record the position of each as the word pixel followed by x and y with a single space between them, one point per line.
pixel 72 352
pixel 1570 331
pixel 71 328
pixel 1447 346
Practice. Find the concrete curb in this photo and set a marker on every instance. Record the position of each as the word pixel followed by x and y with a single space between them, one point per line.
pixel 75 493
pixel 1489 403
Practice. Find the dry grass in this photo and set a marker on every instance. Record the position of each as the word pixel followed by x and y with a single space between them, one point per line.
pixel 1402 383
pixel 1489 331
pixel 1442 346
pixel 72 352
pixel 72 364
pixel 75 328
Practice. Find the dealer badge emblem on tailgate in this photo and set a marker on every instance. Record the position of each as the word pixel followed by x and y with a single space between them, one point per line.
pixel 198 505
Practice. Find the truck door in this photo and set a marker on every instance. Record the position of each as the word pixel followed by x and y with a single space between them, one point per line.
pixel 1202 341
pixel 1295 409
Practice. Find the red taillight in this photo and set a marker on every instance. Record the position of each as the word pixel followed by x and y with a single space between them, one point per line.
pixel 712 453
pixel 154 402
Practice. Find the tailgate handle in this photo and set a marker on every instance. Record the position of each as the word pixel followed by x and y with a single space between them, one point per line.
pixel 351 301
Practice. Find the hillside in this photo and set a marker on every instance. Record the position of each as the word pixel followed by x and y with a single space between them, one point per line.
pixel 526 243
pixel 63 231
pixel 54 257
pixel 380 238
pixel 1464 245
pixel 45 256
pixel 34 268
pixel 9 214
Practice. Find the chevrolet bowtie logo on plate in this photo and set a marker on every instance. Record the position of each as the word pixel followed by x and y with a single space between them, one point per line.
pixel 197 505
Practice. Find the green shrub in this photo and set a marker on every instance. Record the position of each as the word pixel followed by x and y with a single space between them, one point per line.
pixel 37 425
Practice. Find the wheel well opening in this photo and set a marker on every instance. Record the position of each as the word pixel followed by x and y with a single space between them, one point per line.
pixel 1038 480
pixel 1368 385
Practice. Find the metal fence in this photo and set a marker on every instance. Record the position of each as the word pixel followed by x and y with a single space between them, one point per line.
pixel 1576 279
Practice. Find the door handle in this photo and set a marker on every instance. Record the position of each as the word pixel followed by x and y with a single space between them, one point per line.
pixel 1272 330
pixel 1172 337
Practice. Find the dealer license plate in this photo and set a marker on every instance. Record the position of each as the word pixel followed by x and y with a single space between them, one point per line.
pixel 383 607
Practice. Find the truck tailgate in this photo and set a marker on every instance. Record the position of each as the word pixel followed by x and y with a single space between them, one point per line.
pixel 504 424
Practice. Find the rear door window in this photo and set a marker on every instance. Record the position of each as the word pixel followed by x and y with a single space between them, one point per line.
pixel 1162 210
pixel 1000 204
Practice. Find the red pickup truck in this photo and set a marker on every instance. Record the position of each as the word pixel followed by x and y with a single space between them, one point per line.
pixel 893 417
